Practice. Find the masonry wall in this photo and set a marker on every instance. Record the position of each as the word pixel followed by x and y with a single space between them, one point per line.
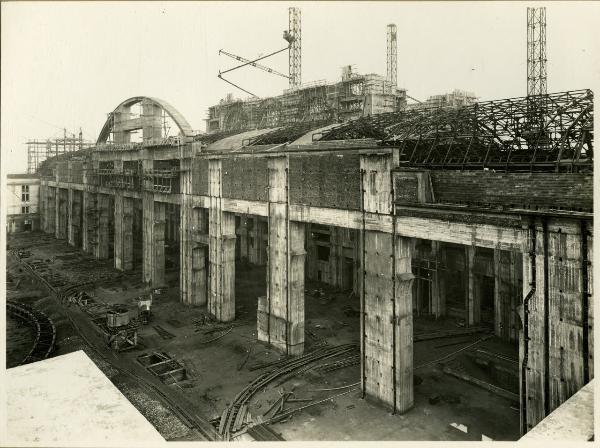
pixel 200 178
pixel 569 191
pixel 326 180
pixel 245 178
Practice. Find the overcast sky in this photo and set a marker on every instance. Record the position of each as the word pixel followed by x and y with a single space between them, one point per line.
pixel 69 64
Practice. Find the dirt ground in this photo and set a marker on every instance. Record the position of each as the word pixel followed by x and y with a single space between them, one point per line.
pixel 218 363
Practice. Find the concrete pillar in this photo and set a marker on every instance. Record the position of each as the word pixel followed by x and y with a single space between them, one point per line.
pixel 84 207
pixel 70 227
pixel 386 314
pixel 56 206
pixel 334 257
pixel 74 231
pixel 50 210
pixel 388 326
pixel 403 322
pixel 158 245
pixel 153 270
pixel 198 290
pixel 557 338
pixel 438 287
pixel 60 229
pixel 120 117
pixel 151 121
pixel 89 222
pixel 147 235
pixel 123 219
pixel 192 243
pixel 193 253
pixel 43 205
pixel 123 232
pixel 507 293
pixel 222 240
pixel 102 240
pixel 281 313
pixel 472 290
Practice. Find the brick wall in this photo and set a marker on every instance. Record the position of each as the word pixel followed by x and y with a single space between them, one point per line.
pixel 406 188
pixel 245 178
pixel 200 177
pixel 329 180
pixel 529 190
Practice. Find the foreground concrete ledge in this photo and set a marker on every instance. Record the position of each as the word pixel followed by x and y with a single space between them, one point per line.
pixel 68 401
pixel 573 420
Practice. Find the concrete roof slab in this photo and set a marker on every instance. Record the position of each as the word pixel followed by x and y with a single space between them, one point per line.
pixel 67 400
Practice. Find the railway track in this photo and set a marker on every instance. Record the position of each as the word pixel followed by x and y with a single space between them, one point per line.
pixel 233 416
pixel 192 420
pixel 45 331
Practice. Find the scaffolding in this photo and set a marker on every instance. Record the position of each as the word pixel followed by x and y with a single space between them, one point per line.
pixel 40 150
pixel 161 180
pixel 355 95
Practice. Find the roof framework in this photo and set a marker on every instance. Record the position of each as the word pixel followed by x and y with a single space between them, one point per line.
pixel 498 134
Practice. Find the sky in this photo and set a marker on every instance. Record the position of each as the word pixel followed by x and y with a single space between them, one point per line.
pixel 68 64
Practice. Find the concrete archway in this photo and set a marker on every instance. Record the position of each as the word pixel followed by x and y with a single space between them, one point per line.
pixel 121 124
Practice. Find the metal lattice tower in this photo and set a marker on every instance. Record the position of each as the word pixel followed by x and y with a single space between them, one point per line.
pixel 392 56
pixel 295 55
pixel 536 51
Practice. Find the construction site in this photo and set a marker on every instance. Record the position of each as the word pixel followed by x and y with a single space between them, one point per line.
pixel 338 262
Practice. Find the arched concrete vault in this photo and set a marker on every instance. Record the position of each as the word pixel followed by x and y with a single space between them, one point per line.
pixel 150 121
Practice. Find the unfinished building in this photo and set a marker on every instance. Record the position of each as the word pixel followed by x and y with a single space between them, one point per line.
pixel 353 97
pixel 331 260
pixel 474 216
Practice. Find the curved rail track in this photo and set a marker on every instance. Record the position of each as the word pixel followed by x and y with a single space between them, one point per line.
pixel 231 418
pixel 45 331
pixel 190 419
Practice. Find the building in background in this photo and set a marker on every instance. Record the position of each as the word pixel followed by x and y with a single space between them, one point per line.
pixel 354 96
pixel 456 98
pixel 22 201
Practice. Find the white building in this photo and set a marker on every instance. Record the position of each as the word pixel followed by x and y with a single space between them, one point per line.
pixel 22 202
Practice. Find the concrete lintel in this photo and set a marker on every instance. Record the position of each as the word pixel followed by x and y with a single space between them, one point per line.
pixel 255 208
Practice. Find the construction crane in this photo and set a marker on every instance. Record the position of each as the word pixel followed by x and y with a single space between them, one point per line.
pixel 537 90
pixel 536 52
pixel 253 64
pixel 392 56
pixel 294 37
pixel 248 62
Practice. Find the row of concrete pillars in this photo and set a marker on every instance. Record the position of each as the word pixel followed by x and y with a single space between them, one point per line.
pixel 557 345
pixel 207 274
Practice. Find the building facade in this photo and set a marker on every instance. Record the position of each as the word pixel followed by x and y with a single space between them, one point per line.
pixel 22 201
pixel 458 212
